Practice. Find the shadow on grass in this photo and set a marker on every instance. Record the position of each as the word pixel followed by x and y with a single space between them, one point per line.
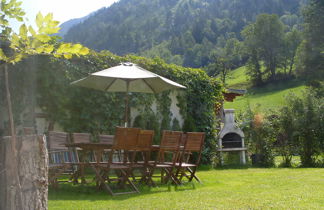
pixel 276 86
pixel 232 166
pixel 68 191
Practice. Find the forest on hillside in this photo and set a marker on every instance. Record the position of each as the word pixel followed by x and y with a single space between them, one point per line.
pixel 216 35
pixel 185 32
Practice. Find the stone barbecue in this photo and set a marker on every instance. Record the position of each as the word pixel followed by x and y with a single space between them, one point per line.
pixel 231 138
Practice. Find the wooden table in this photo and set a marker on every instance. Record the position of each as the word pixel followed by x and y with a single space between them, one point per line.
pixel 97 148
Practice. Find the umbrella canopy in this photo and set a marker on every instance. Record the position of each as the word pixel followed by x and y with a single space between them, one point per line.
pixel 127 77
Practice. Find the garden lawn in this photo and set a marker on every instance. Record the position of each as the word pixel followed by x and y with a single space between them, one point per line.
pixel 279 188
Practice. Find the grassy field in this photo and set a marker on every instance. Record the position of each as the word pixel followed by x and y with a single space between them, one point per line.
pixel 253 188
pixel 271 96
pixel 238 79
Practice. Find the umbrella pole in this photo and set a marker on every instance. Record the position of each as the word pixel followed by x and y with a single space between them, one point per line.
pixel 126 103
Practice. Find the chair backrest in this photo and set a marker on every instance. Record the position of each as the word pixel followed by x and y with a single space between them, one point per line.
pixel 171 139
pixel 183 139
pixel 126 138
pixel 58 152
pixel 29 130
pixel 56 140
pixel 81 137
pixel 145 139
pixel 169 147
pixel 194 141
pixel 107 139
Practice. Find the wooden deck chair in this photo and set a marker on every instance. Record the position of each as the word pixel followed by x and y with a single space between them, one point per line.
pixel 125 140
pixel 60 157
pixel 187 166
pixel 167 156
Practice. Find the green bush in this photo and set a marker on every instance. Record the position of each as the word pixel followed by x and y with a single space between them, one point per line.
pixel 305 126
pixel 296 129
pixel 259 136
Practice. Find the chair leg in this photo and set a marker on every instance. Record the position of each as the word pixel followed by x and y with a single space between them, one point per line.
pixel 102 181
pixel 126 176
pixel 193 174
pixel 149 179
pixel 162 176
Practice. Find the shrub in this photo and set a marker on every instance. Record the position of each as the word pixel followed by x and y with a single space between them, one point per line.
pixel 259 136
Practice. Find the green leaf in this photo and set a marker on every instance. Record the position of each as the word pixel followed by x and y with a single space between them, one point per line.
pixel 3 57
pixel 23 31
pixel 57 55
pixel 43 38
pixel 3 21
pixel 64 48
pixel 39 50
pixel 48 49
pixel 17 58
pixel 76 48
pixel 84 51
pixel 35 43
pixel 32 31
pixel 20 19
pixel 67 56
pixel 14 41
pixel 48 18
pixel 39 20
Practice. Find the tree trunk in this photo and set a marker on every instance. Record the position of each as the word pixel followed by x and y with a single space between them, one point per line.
pixel 292 61
pixel 32 170
pixel 13 168
pixel 23 178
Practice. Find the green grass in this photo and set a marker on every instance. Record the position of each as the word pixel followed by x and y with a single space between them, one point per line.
pixel 271 96
pixel 238 78
pixel 253 188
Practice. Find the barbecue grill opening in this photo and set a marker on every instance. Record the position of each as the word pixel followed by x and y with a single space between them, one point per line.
pixel 232 140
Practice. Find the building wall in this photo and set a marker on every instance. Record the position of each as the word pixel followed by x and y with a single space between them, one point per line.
pixel 175 110
pixel 42 123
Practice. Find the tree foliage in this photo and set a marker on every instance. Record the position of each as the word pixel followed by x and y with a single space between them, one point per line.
pixel 310 63
pixel 185 32
pixel 264 41
pixel 29 41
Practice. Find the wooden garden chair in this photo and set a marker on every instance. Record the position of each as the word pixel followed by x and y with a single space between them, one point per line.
pixel 125 140
pixel 167 156
pixel 81 137
pixel 29 130
pixel 84 157
pixel 107 139
pixel 187 166
pixel 60 157
pixel 144 147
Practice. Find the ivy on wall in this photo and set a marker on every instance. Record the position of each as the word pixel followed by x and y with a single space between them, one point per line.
pixel 78 109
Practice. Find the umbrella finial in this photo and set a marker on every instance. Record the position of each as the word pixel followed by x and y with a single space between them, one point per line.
pixel 127 64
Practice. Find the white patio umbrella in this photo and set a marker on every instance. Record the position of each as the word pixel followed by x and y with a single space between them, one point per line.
pixel 127 77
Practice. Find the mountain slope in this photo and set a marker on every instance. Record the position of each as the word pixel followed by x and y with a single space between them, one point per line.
pixel 186 32
pixel 67 25
pixel 271 96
